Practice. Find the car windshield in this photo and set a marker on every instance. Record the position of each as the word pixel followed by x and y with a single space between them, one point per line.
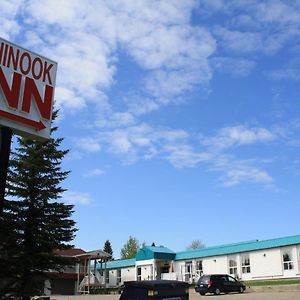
pixel 204 279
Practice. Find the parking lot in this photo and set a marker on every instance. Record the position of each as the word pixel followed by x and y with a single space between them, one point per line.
pixel 194 296
pixel 250 296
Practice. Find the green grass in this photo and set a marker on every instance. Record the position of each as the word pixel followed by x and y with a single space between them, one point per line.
pixel 272 282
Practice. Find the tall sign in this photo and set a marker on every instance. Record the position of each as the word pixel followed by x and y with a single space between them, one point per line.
pixel 27 82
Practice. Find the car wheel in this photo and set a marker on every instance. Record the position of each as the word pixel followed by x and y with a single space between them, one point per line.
pixel 217 291
pixel 202 294
pixel 241 290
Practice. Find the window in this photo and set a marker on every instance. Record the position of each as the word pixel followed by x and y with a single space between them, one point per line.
pixel 118 276
pixel 199 267
pixel 231 279
pixel 287 260
pixel 246 264
pixel 107 276
pixel 232 266
pixel 188 270
pixel 139 273
pixel 188 267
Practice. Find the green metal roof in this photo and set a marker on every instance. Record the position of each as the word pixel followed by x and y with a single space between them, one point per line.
pixel 238 247
pixel 152 252
pixel 149 252
pixel 116 264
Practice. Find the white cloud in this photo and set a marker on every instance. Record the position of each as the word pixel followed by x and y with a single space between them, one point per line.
pixel 237 172
pixel 292 74
pixel 174 57
pixel 139 142
pixel 67 97
pixel 9 26
pixel 248 29
pixel 237 67
pixel 74 155
pixel 94 172
pixel 85 38
pixel 184 150
pixel 128 141
pixel 184 156
pixel 75 198
pixel 157 35
pixel 239 135
pixel 87 144
pixel 239 41
pixel 114 119
pixel 269 12
pixel 141 105
pixel 278 12
pixel 255 26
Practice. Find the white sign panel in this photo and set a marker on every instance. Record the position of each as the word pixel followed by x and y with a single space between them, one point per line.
pixel 27 82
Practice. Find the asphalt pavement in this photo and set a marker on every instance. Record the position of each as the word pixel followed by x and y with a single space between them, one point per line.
pixel 250 296
pixel 286 295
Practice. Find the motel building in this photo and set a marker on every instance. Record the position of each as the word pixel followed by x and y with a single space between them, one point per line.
pixel 253 260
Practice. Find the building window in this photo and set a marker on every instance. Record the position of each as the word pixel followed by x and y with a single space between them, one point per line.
pixel 188 270
pixel 232 266
pixel 199 267
pixel 139 273
pixel 246 264
pixel 107 276
pixel 118 276
pixel 287 260
pixel 188 267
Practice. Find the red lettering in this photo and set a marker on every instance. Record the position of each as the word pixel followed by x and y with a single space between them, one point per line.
pixel 35 61
pixel 31 92
pixel 25 69
pixel 14 58
pixel 5 55
pixel 1 52
pixel 11 94
pixel 47 72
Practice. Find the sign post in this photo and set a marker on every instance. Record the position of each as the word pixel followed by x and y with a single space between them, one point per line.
pixel 5 142
pixel 27 83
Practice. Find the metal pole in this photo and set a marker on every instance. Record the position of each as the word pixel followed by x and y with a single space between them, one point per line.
pixel 78 276
pixel 5 143
pixel 89 274
pixel 105 275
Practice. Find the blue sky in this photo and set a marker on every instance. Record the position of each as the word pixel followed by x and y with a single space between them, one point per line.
pixel 182 117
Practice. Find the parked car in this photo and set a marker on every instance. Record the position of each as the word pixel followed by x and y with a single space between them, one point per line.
pixel 218 283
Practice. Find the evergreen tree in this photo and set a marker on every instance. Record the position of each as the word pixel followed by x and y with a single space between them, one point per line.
pixel 130 249
pixel 107 248
pixel 36 221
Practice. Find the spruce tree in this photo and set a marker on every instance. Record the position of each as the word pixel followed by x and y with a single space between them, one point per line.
pixel 38 223
pixel 107 248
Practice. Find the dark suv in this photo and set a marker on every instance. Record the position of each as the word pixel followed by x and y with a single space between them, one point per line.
pixel 218 283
